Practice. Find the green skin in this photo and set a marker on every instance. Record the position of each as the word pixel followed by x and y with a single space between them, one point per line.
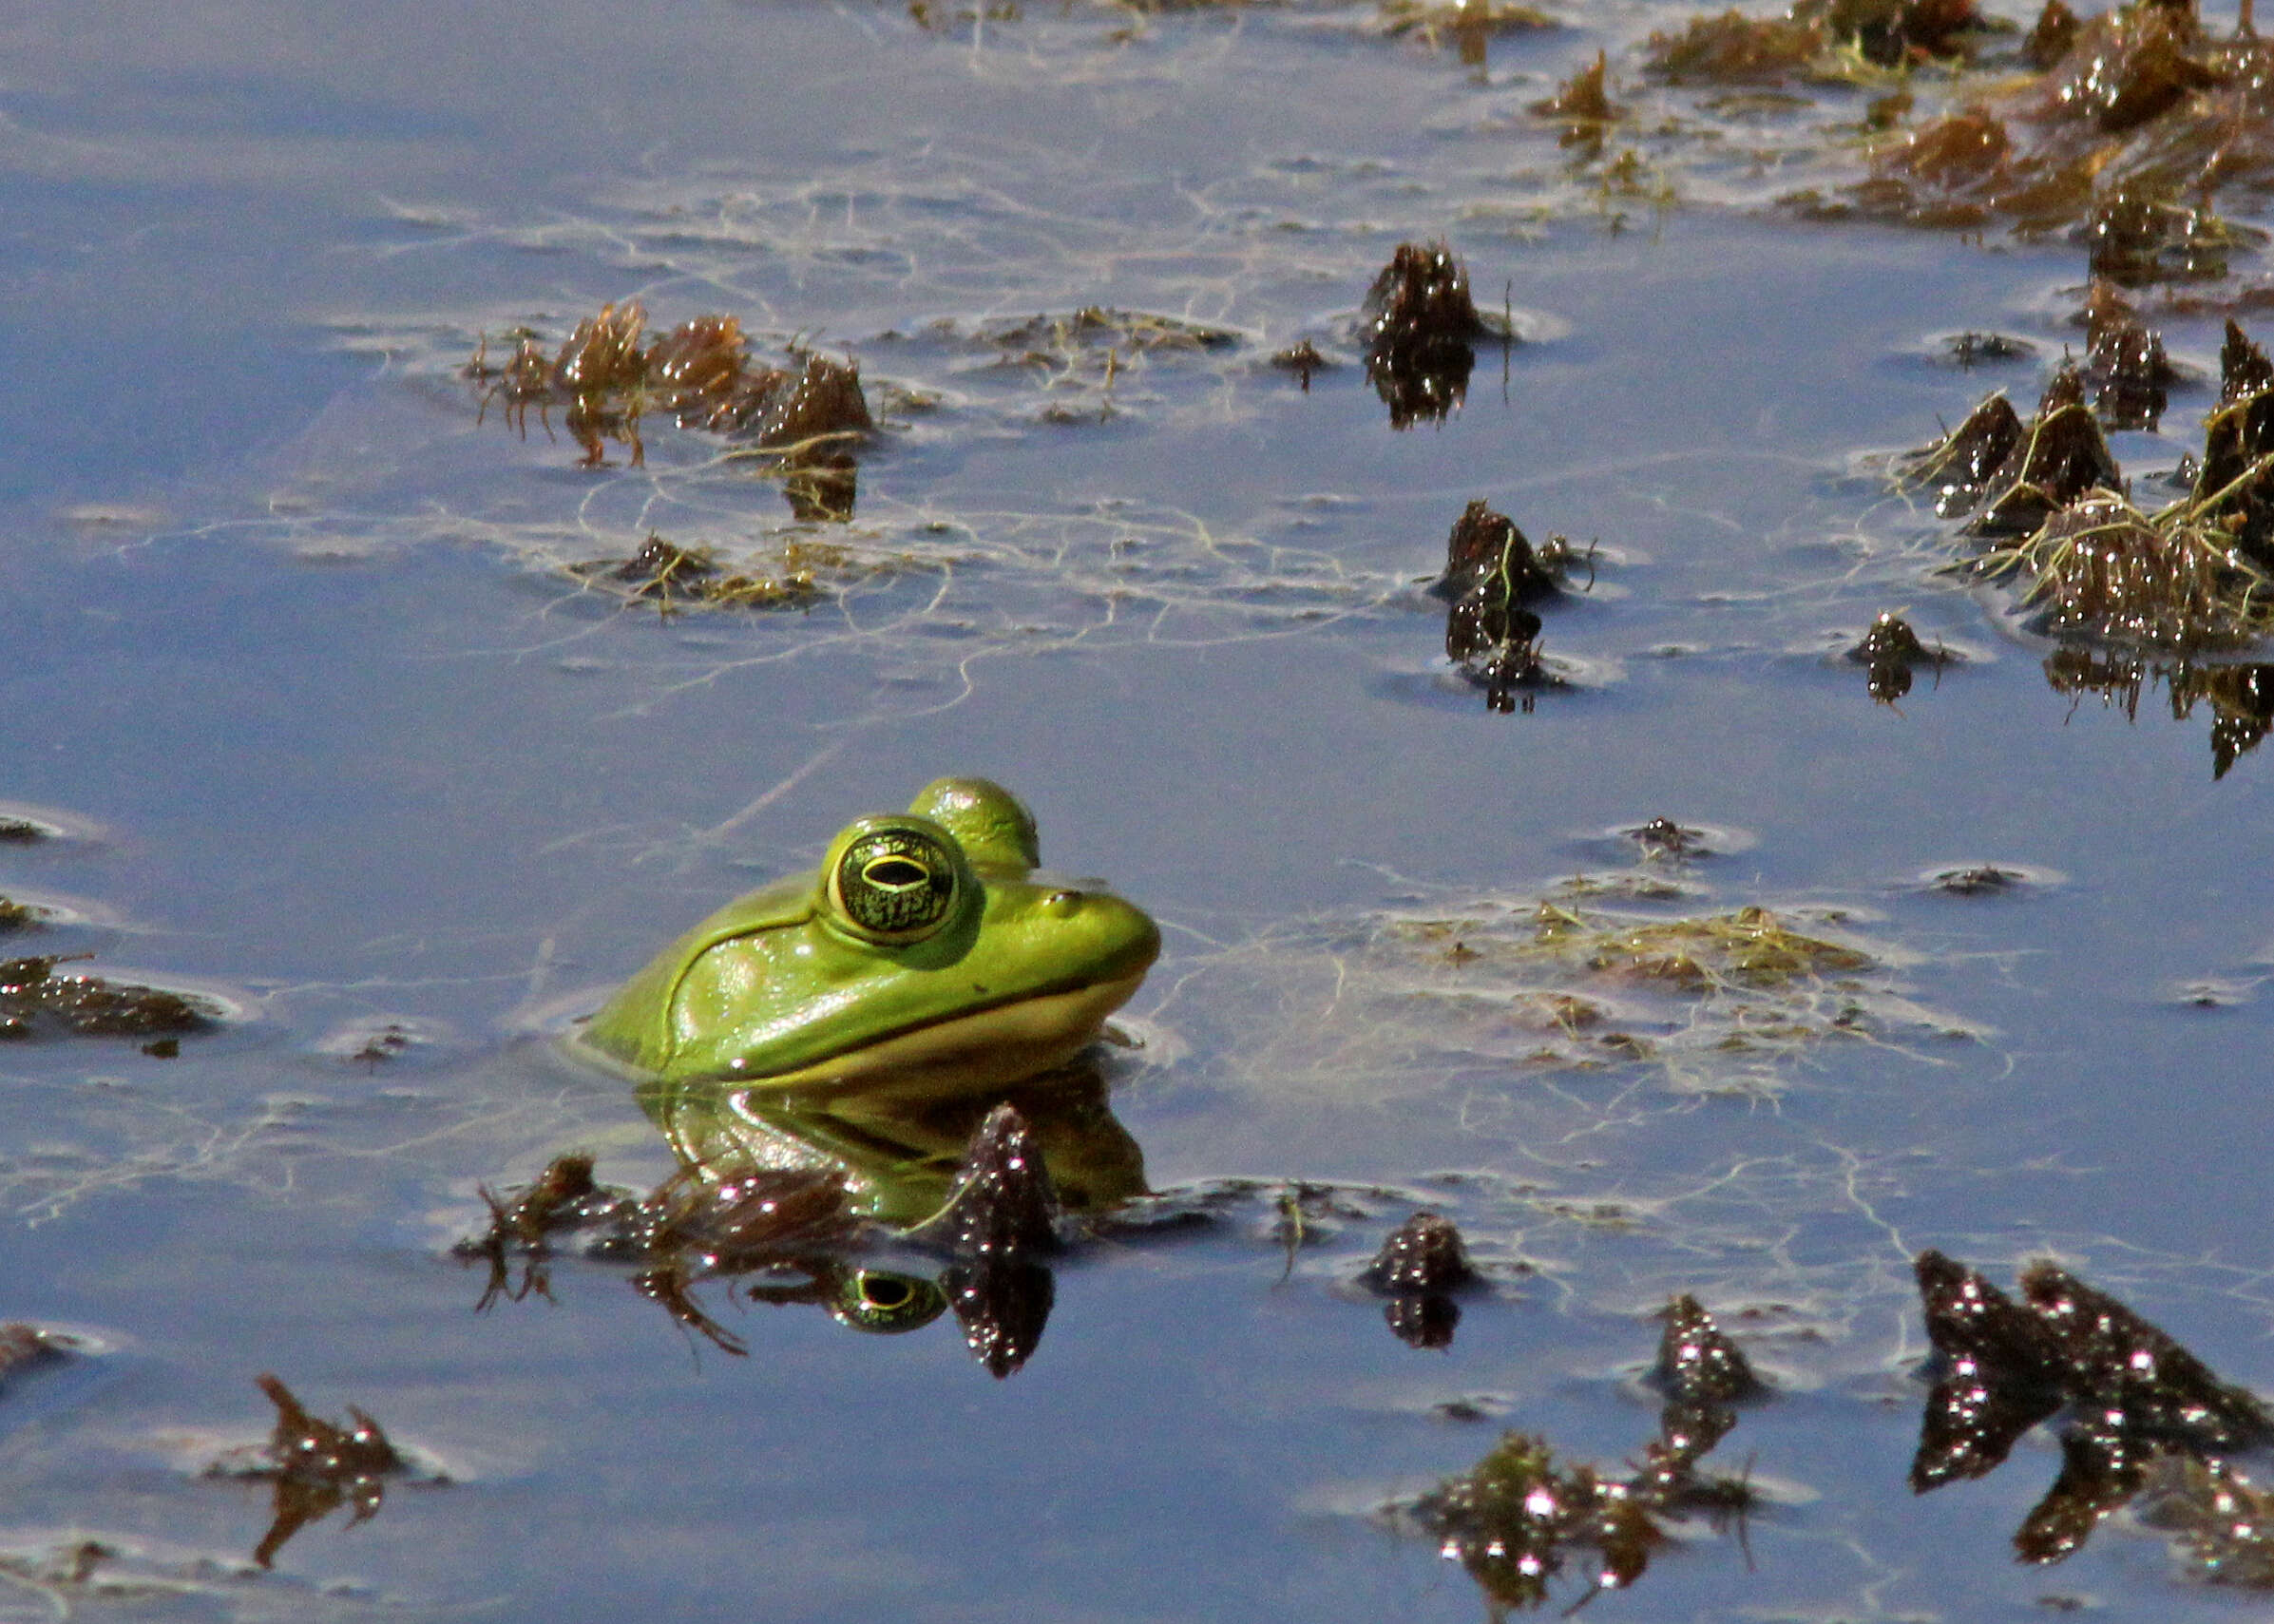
pixel 926 958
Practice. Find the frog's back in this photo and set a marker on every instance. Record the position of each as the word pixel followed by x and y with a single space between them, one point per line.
pixel 635 1027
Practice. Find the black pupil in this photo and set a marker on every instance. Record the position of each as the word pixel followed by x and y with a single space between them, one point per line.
pixel 884 1294
pixel 897 883
pixel 896 873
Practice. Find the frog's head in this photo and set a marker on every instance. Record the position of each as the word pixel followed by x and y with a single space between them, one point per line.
pixel 927 957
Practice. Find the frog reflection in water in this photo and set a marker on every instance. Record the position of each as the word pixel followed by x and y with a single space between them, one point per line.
pixel 926 960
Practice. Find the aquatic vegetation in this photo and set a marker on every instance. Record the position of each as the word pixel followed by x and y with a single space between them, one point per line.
pixel 318 1467
pixel 2016 474
pixel 698 372
pixel 1421 328
pixel 1733 48
pixel 2134 1399
pixel 2191 578
pixel 2125 361
pixel 1889 652
pixel 788 1223
pixel 17 915
pixel 1492 572
pixel 37 1003
pixel 673 576
pixel 1515 1518
pixel 1698 1365
pixel 2102 569
pixel 1983 879
pixel 1583 106
pixel 27 1348
pixel 1420 1266
pixel 1469 25
pixel 1638 976
pixel 1961 466
pixel 19 832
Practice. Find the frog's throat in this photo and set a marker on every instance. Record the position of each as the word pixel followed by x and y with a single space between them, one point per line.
pixel 963 1054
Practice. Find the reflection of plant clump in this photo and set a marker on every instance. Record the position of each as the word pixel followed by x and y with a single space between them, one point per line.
pixel 1514 1518
pixel 2137 1402
pixel 35 1001
pixel 1492 572
pixel 17 915
pixel 698 372
pixel 16 832
pixel 1888 653
pixel 1421 326
pixel 2241 697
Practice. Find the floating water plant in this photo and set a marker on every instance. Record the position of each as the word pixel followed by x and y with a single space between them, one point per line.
pixel 2132 1396
pixel 35 1001
pixel 1515 1518
pixel 2125 361
pixel 2102 569
pixel 1635 974
pixel 671 577
pixel 317 1466
pixel 1889 653
pixel 1492 572
pixel 1421 328
pixel 1583 106
pixel 1419 1269
pixel 606 383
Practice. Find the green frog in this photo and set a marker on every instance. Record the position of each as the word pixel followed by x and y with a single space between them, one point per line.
pixel 927 959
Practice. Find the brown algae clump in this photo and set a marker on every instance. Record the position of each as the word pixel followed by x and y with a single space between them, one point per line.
pixel 2137 117
pixel 1515 1518
pixel 35 1001
pixel 1492 573
pixel 2125 361
pixel 2140 1413
pixel 698 372
pixel 1420 327
pixel 1469 25
pixel 1889 653
pixel 1582 105
pixel 1735 48
pixel 2100 568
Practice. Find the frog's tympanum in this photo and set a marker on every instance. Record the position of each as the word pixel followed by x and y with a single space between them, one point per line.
pixel 927 959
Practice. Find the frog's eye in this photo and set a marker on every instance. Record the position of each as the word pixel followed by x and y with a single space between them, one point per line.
pixel 881 1300
pixel 896 885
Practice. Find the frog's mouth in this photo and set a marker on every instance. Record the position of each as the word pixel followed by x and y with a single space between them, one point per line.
pixel 964 1053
